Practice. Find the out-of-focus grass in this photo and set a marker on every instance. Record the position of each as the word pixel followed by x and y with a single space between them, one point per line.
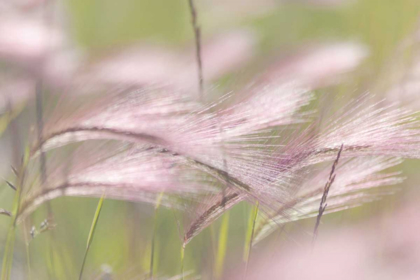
pixel 122 239
pixel 99 24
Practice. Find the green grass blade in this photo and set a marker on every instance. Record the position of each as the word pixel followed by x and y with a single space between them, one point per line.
pixel 10 241
pixel 250 235
pixel 91 233
pixel 11 235
pixel 8 254
pixel 152 253
pixel 221 249
pixel 182 260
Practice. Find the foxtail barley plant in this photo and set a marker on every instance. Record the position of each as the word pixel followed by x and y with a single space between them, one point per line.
pixel 271 150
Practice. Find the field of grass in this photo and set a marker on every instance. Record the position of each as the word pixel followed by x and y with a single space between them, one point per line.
pixel 348 55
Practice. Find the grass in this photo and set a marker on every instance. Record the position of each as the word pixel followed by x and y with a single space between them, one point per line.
pixel 222 246
pixel 11 235
pixel 250 235
pixel 106 25
pixel 92 233
pixel 152 253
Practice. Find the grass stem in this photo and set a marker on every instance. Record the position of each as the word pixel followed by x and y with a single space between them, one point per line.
pixel 250 235
pixel 91 233
pixel 221 249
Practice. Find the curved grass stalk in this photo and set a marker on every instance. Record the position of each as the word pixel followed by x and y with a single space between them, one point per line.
pixel 91 233
pixel 211 214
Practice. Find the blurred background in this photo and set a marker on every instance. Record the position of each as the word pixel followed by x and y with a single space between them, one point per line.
pixel 341 49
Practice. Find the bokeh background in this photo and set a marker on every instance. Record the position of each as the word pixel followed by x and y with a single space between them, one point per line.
pixel 341 49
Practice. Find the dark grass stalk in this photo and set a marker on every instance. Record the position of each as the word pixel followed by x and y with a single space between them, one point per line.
pixel 323 205
pixel 91 233
pixel 250 236
pixel 210 215
pixel 197 37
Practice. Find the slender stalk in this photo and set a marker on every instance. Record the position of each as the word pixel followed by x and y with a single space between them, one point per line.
pixel 152 253
pixel 91 233
pixel 221 249
pixel 250 235
pixel 11 235
pixel 10 242
pixel 197 37
pixel 323 205
pixel 182 260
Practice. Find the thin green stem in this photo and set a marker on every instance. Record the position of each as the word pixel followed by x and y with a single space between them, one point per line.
pixel 221 249
pixel 250 235
pixel 11 235
pixel 182 261
pixel 8 253
pixel 152 253
pixel 91 233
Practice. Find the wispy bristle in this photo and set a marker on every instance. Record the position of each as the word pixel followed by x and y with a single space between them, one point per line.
pixel 188 152
pixel 210 211
pixel 357 184
pixel 137 173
